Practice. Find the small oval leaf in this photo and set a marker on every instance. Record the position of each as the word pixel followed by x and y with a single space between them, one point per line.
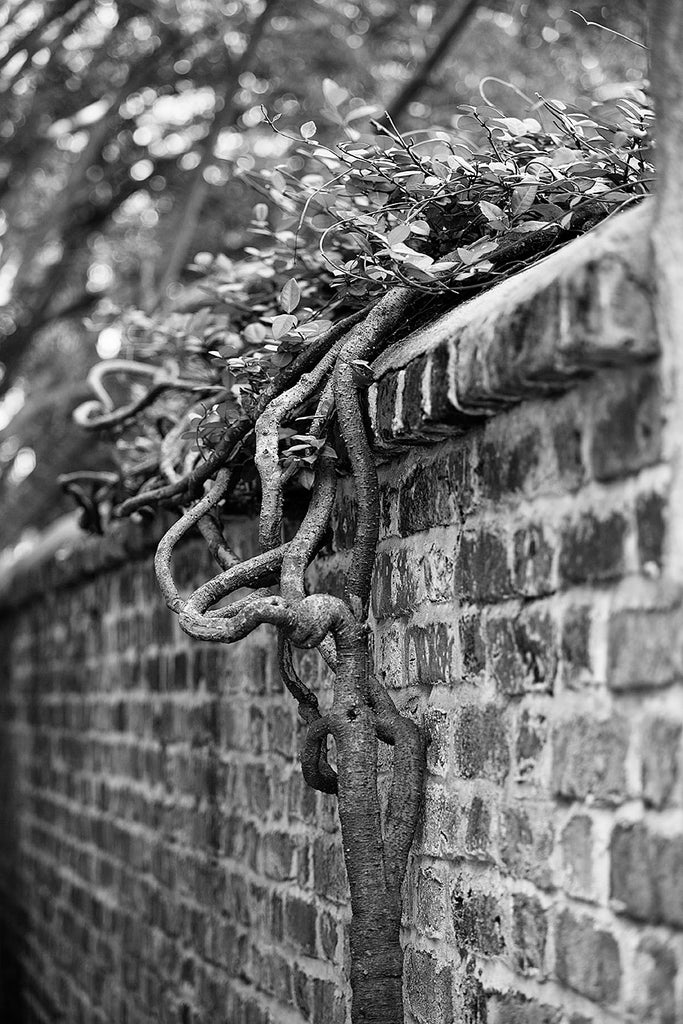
pixel 308 129
pixel 282 325
pixel 290 296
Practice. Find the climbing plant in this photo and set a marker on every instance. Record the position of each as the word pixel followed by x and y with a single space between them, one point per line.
pixel 253 385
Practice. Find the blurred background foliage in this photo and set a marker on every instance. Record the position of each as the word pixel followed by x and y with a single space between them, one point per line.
pixel 131 132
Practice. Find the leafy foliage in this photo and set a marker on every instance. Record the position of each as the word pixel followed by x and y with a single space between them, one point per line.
pixel 447 213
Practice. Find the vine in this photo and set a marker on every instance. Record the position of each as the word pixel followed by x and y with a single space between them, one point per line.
pixel 255 385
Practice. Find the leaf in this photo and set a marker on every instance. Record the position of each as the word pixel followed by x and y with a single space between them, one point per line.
pixel 334 93
pixel 254 334
pixel 420 227
pixel 398 234
pixel 308 129
pixel 491 211
pixel 282 325
pixel 290 296
pixel 260 213
pixel 362 372
pixel 369 110
pixel 523 198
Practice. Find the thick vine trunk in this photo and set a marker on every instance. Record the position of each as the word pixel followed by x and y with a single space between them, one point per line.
pixel 376 954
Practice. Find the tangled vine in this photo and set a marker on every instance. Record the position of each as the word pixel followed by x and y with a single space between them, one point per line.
pixel 256 384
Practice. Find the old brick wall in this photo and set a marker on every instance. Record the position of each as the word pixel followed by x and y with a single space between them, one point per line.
pixel 161 858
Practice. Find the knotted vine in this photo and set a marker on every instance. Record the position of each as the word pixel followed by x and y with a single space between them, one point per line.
pixel 259 387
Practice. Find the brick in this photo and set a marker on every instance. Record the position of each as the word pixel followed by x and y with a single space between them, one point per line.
pixel 329 871
pixel 436 493
pixel 522 652
pixel 480 743
pixel 589 759
pixel 428 985
pixel 654 997
pixel 472 648
pixel 527 843
pixel 429 652
pixel 279 850
pixel 482 566
pixel 476 922
pixel 437 736
pixel 300 924
pixel 651 529
pixel 627 427
pixel 413 400
pixel 529 932
pixel 567 439
pixel 530 741
pixel 645 648
pixel 532 561
pixel 610 313
pixel 513 1008
pixel 646 874
pixel 443 415
pixel 430 903
pixel 395 586
pixel 592 549
pixel 661 758
pixel 576 843
pixel 439 575
pixel 575 646
pixel 508 465
pixel 387 388
pixel 478 832
pixel 587 959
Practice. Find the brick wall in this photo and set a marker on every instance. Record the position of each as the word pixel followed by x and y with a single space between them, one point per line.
pixel 161 857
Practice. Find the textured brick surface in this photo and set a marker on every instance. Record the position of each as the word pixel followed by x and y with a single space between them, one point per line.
pixel 160 856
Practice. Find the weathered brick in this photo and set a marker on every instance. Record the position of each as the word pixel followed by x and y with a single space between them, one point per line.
pixel 429 652
pixel 577 850
pixel 437 734
pixel 646 876
pixel 645 648
pixel 472 648
pixel 530 740
pixel 592 549
pixel 661 759
pixel 481 746
pixel 654 997
pixel 329 870
pixel 651 526
pixel 627 427
pixel 476 920
pixel 522 651
pixel 482 570
pixel 575 646
pixel 428 985
pixel 567 437
pixel 527 843
pixel 587 958
pixel 430 903
pixel 509 464
pixel 529 932
pixel 589 759
pixel 300 924
pixel 532 560
pixel 387 389
pixel 513 1008
pixel 436 493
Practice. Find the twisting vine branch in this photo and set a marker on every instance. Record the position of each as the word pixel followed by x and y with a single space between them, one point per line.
pixel 361 713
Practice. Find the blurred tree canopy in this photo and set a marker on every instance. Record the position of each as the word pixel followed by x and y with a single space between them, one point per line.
pixel 131 134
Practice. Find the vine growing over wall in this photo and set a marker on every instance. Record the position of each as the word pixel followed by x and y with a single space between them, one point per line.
pixel 254 385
